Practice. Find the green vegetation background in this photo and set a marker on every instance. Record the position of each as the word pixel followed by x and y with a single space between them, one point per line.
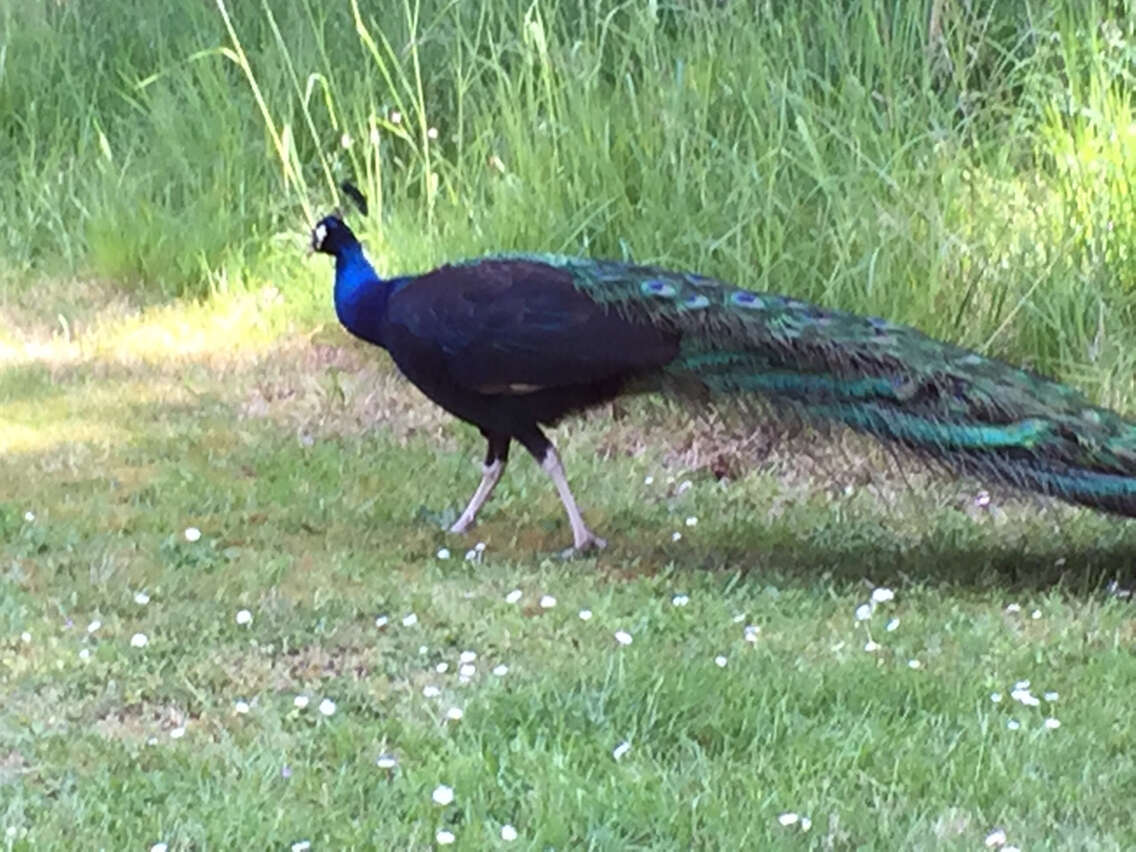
pixel 171 363
pixel 965 167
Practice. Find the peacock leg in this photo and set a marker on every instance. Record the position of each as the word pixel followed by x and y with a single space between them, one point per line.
pixel 496 456
pixel 582 537
pixel 545 454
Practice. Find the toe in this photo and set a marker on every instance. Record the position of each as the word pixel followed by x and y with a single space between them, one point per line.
pixel 589 542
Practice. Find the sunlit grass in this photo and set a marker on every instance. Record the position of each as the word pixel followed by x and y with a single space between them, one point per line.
pixel 123 330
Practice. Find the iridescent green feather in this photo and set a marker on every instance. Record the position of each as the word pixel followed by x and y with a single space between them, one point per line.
pixel 891 381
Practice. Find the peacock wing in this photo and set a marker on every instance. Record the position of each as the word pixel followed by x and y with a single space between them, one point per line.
pixel 518 325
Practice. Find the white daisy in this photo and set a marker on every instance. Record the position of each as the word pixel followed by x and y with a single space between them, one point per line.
pixel 442 795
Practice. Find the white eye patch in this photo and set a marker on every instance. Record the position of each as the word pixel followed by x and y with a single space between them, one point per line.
pixel 320 234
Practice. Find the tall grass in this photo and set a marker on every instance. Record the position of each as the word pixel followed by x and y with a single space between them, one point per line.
pixel 965 168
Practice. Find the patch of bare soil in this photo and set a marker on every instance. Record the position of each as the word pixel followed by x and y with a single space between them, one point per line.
pixel 320 389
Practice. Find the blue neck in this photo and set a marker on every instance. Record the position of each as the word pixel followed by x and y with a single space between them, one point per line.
pixel 360 295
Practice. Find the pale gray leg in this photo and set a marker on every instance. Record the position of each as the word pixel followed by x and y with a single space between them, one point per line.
pixel 490 474
pixel 496 457
pixel 582 537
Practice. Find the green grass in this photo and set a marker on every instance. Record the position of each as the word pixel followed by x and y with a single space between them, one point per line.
pixel 319 481
pixel 168 360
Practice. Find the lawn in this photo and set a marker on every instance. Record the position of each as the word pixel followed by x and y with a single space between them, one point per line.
pixel 230 615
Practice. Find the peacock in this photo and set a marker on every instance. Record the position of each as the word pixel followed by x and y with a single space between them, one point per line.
pixel 514 343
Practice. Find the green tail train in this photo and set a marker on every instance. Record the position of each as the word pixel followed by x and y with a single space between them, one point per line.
pixel 973 414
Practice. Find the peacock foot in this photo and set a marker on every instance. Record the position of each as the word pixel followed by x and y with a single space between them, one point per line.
pixel 584 544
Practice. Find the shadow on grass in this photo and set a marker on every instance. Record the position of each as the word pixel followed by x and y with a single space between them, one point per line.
pixel 1078 568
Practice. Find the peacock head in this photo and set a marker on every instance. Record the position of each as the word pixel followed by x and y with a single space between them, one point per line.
pixel 331 235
